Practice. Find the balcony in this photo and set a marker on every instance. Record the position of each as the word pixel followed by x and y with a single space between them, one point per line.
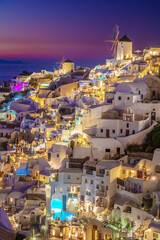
pixel 132 190
pixel 89 172
pixel 101 193
pixel 136 195
pixel 54 178
pixel 101 204
pixel 73 190
pixel 100 174
pixel 72 195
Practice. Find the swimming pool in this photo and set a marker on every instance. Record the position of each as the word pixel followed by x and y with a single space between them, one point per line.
pixel 22 170
pixel 56 208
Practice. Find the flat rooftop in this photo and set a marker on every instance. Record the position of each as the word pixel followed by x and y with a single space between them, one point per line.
pixel 108 164
pixel 71 170
pixel 118 114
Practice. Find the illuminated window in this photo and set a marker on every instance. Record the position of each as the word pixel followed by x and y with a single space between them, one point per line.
pixel 91 181
pixel 88 192
pixel 55 190
pixel 107 173
pixel 155 235
pixel 60 190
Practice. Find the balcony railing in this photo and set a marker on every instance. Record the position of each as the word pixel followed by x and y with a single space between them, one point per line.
pixel 132 190
pixel 90 172
pixel 76 190
pixel 72 195
pixel 101 193
pixel 100 205
pixel 100 174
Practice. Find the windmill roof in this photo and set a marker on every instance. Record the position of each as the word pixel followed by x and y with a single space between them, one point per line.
pixel 125 39
pixel 68 61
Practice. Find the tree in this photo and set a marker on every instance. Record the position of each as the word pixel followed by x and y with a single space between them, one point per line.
pixel 153 139
pixel 134 147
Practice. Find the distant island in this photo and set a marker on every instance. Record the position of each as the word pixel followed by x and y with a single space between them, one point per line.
pixel 2 61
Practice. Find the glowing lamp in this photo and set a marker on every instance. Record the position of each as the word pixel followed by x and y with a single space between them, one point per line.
pixel 153 178
pixel 53 232
pixel 148 230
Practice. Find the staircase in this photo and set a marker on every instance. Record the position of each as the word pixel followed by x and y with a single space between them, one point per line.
pixel 12 221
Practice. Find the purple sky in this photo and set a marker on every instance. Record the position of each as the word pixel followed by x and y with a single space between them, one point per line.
pixel 74 29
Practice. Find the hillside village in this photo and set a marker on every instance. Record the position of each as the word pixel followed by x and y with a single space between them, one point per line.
pixel 80 150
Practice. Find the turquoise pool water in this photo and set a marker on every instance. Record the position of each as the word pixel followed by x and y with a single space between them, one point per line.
pixel 56 208
pixel 22 170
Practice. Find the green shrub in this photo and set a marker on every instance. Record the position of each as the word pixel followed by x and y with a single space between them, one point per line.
pixel 134 147
pixel 153 139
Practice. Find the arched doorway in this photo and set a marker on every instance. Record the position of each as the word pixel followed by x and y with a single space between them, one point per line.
pixel 32 218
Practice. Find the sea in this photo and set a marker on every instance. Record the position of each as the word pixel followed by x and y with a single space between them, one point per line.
pixel 12 69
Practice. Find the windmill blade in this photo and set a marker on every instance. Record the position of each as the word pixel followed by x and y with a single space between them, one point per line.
pixel 115 40
pixel 113 45
pixel 108 48
pixel 63 59
pixel 109 41
pixel 116 31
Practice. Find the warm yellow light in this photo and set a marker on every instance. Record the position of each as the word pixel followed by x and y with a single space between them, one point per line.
pixel 148 230
pixel 153 178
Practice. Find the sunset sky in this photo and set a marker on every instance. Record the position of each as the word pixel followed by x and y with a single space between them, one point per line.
pixel 72 28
